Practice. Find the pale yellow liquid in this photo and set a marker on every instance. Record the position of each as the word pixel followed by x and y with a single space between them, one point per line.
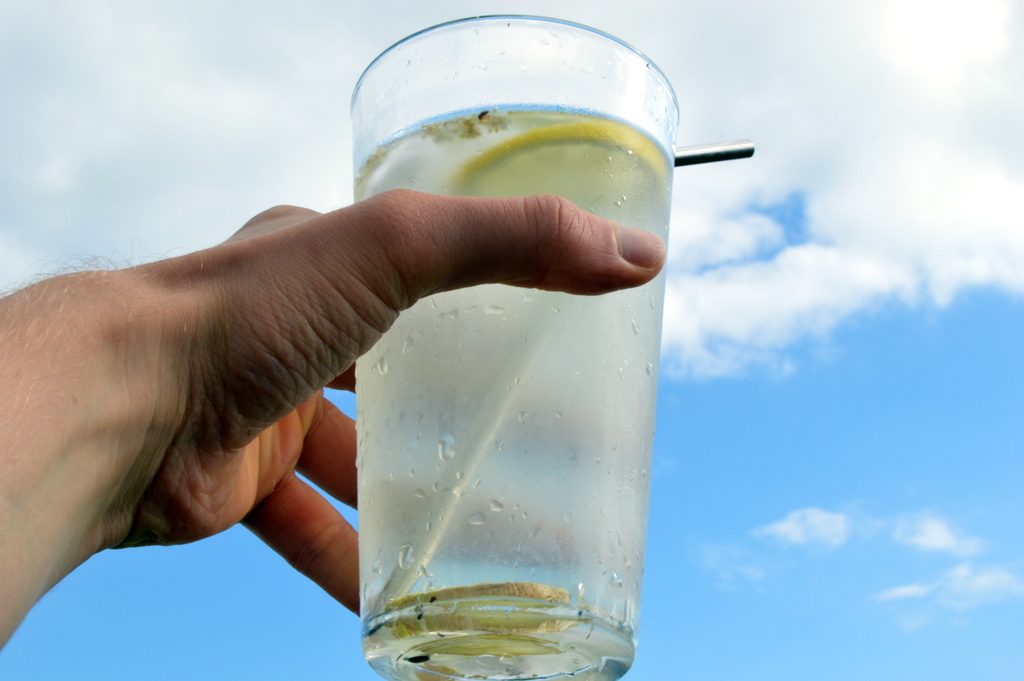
pixel 505 433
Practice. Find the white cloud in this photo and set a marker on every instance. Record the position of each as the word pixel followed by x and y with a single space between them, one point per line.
pixel 931 533
pixel 961 588
pixel 730 565
pixel 899 593
pixel 809 526
pixel 898 138
pixel 966 586
pixel 147 129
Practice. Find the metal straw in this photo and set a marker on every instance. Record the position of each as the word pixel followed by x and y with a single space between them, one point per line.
pixel 709 153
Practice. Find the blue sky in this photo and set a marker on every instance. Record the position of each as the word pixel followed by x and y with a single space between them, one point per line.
pixel 839 465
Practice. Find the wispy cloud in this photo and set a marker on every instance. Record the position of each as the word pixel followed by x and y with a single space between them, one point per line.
pixel 966 586
pixel 809 526
pixel 963 587
pixel 900 593
pixel 929 532
pixel 730 565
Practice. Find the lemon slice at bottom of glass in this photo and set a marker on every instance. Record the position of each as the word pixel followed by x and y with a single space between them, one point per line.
pixel 515 609
pixel 582 160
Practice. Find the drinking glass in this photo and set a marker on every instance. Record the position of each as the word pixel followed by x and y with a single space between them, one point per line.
pixel 504 433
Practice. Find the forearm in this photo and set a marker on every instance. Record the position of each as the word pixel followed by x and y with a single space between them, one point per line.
pixel 70 429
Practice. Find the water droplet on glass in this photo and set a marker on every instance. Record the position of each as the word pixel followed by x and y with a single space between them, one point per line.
pixel 580 592
pixel 420 494
pixel 558 414
pixel 522 417
pixel 378 568
pixel 615 580
pixel 435 487
pixel 618 202
pixel 458 475
pixel 555 308
pixel 407 344
pixel 421 570
pixel 500 444
pixel 494 309
pixel 477 518
pixel 636 326
pixel 497 506
pixel 450 314
pixel 381 367
pixel 649 368
pixel 476 483
pixel 445 448
pixel 405 556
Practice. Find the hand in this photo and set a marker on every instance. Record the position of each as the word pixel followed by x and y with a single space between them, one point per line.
pixel 207 370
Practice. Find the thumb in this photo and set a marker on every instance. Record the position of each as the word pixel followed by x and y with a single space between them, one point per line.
pixel 404 245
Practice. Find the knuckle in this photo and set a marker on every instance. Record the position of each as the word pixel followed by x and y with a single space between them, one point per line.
pixel 561 219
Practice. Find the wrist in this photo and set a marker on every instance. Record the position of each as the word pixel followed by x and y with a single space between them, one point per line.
pixel 80 367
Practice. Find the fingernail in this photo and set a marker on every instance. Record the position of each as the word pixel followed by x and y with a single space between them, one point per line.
pixel 640 248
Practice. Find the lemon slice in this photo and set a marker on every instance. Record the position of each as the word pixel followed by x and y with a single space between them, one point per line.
pixel 493 611
pixel 582 160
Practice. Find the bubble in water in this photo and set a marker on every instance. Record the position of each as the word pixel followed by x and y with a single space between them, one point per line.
pixel 445 448
pixel 636 326
pixel 420 494
pixel 405 556
pixel 381 367
pixel 494 309
pixel 497 506
pixel 477 518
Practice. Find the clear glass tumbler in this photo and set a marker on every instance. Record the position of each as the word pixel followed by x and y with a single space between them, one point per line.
pixel 505 433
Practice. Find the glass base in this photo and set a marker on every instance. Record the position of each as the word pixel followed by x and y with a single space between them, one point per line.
pixel 496 639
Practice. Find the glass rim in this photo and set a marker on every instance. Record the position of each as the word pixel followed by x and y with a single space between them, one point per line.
pixel 522 18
